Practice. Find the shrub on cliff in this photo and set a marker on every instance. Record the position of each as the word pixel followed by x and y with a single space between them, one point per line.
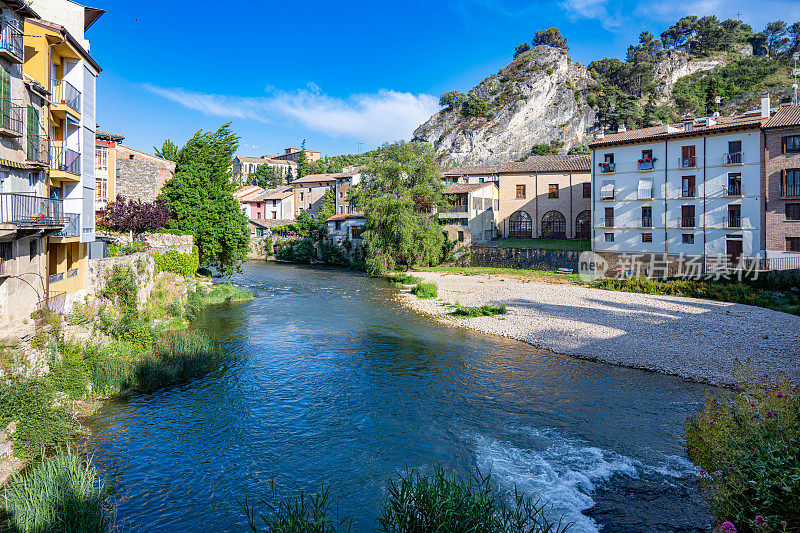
pixel 746 445
pixel 177 262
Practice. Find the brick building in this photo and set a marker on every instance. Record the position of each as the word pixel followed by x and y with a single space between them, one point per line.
pixel 781 182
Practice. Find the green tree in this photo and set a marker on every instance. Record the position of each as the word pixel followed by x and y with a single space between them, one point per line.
pixel 266 177
pixel 169 150
pixel 776 38
pixel 544 149
pixel 579 149
pixel 303 166
pixel 327 206
pixel 476 107
pixel 452 99
pixel 199 197
pixel 550 37
pixel 399 190
pixel 679 33
pixel 521 49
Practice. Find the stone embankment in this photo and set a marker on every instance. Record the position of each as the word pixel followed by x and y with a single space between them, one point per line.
pixel 691 338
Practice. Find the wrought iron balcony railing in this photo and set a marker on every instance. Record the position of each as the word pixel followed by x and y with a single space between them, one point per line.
pixel 688 192
pixel 72 226
pixel 66 93
pixel 63 159
pixel 647 222
pixel 11 118
pixel 790 190
pixel 11 41
pixel 30 210
pixel 687 222
pixel 733 221
pixel 609 222
pixel 734 189
pixel 645 164
pixel 687 162
pixel 607 167
pixel 732 158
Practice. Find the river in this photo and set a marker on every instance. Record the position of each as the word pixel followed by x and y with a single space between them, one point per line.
pixel 336 383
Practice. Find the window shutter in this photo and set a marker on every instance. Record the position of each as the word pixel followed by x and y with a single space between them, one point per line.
pixel 5 97
pixel 783 182
pixel 33 130
pixel 783 145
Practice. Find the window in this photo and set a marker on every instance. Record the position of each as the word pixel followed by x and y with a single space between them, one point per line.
pixel 607 190
pixel 34 249
pixel 734 184
pixel 520 225
pixel 587 190
pixel 34 139
pixel 687 156
pixel 687 187
pixel 5 251
pixel 460 236
pixel 608 158
pixel 608 163
pixel 520 191
pixel 553 191
pixel 338 224
pixel 130 157
pixel 274 215
pixel 647 154
pixel 647 217
pixel 301 197
pixel 791 183
pixel 647 237
pixel 554 225
pixel 101 158
pixel 609 217
pixel 734 216
pixel 793 244
pixel 341 194
pixel 734 147
pixel 609 237
pixel 355 233
pixel 583 224
pixel 792 211
pixel 791 144
pixel 258 216
pixel 688 238
pixel 341 209
pixel 645 189
pixel 734 155
pixel 687 216
pixel 5 97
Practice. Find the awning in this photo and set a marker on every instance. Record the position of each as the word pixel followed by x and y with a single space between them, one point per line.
pixel 645 189
pixel 13 164
pixel 607 190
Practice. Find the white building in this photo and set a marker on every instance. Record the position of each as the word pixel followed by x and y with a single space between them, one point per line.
pixel 474 208
pixel 346 227
pixel 692 188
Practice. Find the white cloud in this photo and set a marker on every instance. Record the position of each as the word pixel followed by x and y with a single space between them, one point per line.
pixel 383 116
pixel 593 9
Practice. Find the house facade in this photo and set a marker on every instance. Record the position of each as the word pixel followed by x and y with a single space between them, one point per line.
pixel 244 167
pixel 473 212
pixel 691 189
pixel 105 169
pixel 293 154
pixel 272 204
pixel 345 181
pixel 309 190
pixel 781 215
pixel 346 227
pixel 139 175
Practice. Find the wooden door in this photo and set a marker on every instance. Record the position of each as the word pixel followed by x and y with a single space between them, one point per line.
pixel 734 250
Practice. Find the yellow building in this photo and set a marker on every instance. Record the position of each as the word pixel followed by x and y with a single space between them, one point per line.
pixel 57 59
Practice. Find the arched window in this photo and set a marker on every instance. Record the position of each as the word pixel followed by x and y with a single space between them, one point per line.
pixel 583 225
pixel 554 225
pixel 520 225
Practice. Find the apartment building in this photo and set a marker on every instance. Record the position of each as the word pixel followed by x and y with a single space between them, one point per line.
pixel 781 215
pixel 28 216
pixel 345 181
pixel 244 167
pixel 692 188
pixel 543 196
pixel 293 154
pixel 105 169
pixel 57 57
pixel 272 204
pixel 308 191
pixel 473 212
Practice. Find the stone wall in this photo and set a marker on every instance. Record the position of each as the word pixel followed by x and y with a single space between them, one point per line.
pixel 140 175
pixel 143 266
pixel 523 258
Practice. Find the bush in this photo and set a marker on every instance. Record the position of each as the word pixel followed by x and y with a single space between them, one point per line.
pixel 133 328
pixel 404 279
pixel 134 215
pixel 40 425
pixel 121 287
pixel 425 291
pixel 746 445
pixel 179 263
pixel 484 310
pixel 447 502
pixel 81 314
pixel 61 493
pixel 215 294
pixel 476 107
pixel 295 251
pixel 334 255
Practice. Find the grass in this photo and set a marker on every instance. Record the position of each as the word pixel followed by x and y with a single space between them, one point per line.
pixel 544 244
pixel 306 512
pixel 204 296
pixel 738 292
pixel 60 493
pixel 425 291
pixel 483 310
pixel 400 280
pixel 532 275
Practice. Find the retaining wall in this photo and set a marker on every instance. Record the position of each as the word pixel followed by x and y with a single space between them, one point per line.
pixel 523 258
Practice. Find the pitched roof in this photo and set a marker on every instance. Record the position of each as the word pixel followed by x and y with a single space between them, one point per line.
pixel 313 178
pixel 785 116
pixel 264 160
pixel 459 188
pixel 278 193
pixel 346 216
pixel 654 133
pixel 268 223
pixel 534 163
pixel 245 191
pixel 108 136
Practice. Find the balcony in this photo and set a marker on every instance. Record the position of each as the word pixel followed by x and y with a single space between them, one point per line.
pixel 733 220
pixel 30 211
pixel 11 42
pixel 647 222
pixel 688 192
pixel 688 162
pixel 607 168
pixel 61 276
pixel 64 160
pixel 647 164
pixel 455 211
pixel 687 222
pixel 72 226
pixel 11 119
pixel 790 190
pixel 65 94
pixel 38 149
pixel 734 189
pixel 732 158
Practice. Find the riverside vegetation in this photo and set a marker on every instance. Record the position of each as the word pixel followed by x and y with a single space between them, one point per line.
pixel 133 349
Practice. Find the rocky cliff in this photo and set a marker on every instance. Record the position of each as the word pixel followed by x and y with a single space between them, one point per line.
pixel 534 100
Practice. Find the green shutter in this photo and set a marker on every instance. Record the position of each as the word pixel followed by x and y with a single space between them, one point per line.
pixel 5 97
pixel 33 133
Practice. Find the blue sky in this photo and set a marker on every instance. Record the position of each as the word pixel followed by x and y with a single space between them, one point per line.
pixel 339 73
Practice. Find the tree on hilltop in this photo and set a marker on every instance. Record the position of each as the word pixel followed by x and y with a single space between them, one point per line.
pixel 521 49
pixel 452 99
pixel 550 37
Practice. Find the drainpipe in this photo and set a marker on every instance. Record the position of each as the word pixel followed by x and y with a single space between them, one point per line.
pixel 666 194
pixel 571 213
pixel 705 216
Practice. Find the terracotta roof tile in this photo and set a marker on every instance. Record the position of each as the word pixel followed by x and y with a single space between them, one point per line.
pixel 460 188
pixel 347 216
pixel 278 193
pixel 534 163
pixel 313 178
pixel 785 116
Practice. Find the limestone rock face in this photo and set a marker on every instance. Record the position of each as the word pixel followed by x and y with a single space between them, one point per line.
pixel 675 65
pixel 536 99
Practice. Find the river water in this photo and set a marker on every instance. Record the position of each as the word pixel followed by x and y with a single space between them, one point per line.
pixel 337 384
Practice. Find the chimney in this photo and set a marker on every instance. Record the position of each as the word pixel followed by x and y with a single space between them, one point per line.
pixel 765 106
pixel 622 128
pixel 601 135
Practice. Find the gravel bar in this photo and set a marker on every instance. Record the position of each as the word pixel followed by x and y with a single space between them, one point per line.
pixel 687 337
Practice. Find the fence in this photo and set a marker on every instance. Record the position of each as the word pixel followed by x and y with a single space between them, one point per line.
pixel 523 258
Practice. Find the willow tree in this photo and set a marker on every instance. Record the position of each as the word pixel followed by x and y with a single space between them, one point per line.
pixel 399 191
